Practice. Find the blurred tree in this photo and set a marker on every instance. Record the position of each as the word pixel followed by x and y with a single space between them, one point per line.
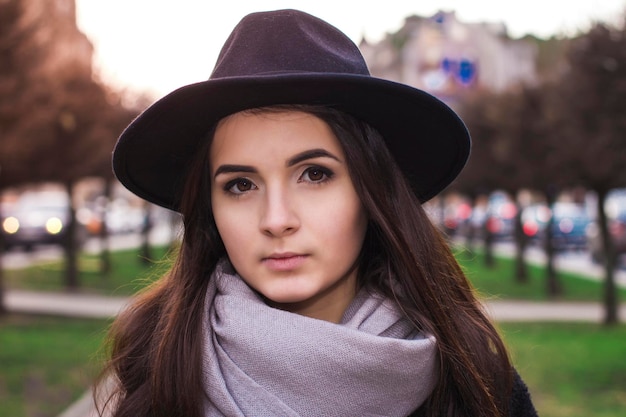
pixel 510 164
pixel 550 58
pixel 589 110
pixel 513 151
pixel 57 123
pixel 12 80
pixel 492 165
pixel 477 180
pixel 535 157
pixel 513 164
pixel 17 58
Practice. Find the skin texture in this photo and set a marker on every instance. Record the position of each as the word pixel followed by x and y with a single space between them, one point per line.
pixel 287 211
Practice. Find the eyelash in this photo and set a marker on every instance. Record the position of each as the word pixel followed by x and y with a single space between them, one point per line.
pixel 327 174
pixel 230 186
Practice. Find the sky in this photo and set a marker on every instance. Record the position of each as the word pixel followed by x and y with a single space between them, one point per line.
pixel 156 46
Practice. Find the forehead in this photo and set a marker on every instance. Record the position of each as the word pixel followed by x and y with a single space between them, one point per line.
pixel 253 134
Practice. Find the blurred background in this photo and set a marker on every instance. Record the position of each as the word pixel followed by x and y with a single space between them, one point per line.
pixel 542 89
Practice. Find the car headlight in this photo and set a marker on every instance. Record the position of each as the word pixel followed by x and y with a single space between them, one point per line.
pixel 11 225
pixel 54 225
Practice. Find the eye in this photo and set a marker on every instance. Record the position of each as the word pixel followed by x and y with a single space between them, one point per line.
pixel 239 186
pixel 316 174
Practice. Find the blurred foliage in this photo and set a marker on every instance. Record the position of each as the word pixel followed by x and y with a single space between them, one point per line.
pixel 57 122
pixel 565 132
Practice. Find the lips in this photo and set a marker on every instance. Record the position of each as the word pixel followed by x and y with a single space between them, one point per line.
pixel 284 261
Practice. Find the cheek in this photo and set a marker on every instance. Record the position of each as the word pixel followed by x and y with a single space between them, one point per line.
pixel 233 229
pixel 342 223
pixel 238 245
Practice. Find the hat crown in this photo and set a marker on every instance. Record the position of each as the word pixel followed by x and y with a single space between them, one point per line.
pixel 289 57
pixel 287 41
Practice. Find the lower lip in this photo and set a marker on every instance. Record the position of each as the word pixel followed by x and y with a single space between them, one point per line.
pixel 284 264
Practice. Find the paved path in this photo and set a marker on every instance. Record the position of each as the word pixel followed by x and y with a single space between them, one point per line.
pixel 94 306
pixel 64 304
pixel 553 311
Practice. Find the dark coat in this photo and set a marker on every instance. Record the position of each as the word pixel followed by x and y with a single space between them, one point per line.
pixel 520 403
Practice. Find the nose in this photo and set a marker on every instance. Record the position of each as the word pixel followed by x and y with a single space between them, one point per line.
pixel 279 217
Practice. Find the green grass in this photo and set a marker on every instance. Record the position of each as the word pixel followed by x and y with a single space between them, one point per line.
pixel 47 363
pixel 499 281
pixel 130 271
pixel 572 369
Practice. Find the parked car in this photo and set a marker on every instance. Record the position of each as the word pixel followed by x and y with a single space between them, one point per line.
pixel 615 209
pixel 36 218
pixel 501 218
pixel 456 217
pixel 496 215
pixel 569 225
pixel 119 215
pixel 122 217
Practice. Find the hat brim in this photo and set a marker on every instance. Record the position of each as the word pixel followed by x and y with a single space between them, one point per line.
pixel 428 140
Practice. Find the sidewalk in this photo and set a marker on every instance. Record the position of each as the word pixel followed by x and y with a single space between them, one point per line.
pixel 95 306
pixel 513 310
pixel 64 304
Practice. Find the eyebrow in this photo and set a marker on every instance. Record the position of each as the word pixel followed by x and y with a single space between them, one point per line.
pixel 225 169
pixel 310 154
pixel 302 156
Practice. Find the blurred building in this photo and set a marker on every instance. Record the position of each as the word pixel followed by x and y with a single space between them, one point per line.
pixel 56 32
pixel 446 57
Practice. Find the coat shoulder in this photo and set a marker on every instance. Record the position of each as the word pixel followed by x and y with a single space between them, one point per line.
pixel 521 404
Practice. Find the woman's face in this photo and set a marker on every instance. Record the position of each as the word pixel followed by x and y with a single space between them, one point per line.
pixel 286 210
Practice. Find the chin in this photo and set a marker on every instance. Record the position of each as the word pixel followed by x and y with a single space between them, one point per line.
pixel 285 301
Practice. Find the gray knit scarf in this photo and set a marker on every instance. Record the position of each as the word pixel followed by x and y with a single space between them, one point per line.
pixel 260 361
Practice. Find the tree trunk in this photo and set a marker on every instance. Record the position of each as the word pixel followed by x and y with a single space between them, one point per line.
pixel 70 244
pixel 470 232
pixel 521 240
pixel 175 229
pixel 3 309
pixel 105 251
pixel 553 284
pixel 610 261
pixel 488 241
pixel 145 251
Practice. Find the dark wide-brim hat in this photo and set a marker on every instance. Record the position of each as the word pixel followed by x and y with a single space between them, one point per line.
pixel 289 57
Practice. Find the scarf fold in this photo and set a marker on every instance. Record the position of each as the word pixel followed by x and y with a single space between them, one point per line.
pixel 260 361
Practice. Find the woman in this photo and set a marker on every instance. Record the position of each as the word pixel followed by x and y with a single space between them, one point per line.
pixel 309 281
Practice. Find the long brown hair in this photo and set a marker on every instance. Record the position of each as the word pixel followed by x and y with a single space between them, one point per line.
pixel 155 358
